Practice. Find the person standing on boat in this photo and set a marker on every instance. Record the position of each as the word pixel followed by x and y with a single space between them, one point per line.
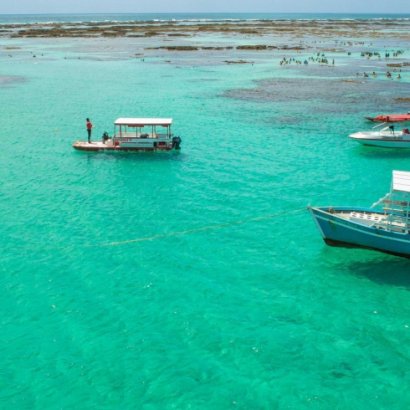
pixel 89 126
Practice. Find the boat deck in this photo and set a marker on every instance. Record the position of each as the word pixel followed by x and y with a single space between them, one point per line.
pixel 396 223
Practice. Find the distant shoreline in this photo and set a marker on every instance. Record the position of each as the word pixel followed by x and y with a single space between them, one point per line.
pixel 339 28
pixel 102 17
pixel 272 14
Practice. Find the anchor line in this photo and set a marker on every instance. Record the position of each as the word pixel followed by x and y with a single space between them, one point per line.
pixel 212 227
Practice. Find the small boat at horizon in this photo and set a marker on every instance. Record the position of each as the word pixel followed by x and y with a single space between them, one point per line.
pixel 135 134
pixel 384 227
pixel 390 118
pixel 387 137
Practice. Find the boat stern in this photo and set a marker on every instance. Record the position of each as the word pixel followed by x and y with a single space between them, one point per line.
pixel 89 146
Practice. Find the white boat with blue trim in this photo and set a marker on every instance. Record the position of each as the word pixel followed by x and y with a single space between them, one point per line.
pixel 135 134
pixel 387 137
pixel 384 227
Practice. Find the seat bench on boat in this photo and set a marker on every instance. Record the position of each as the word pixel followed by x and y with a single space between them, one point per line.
pixel 364 217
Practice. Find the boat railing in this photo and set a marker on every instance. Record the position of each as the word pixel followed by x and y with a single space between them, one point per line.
pixel 127 136
pixel 381 200
pixel 390 131
pixel 399 205
pixel 396 208
pixel 380 125
pixel 398 215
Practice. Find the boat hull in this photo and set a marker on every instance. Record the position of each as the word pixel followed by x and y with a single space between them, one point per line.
pixel 390 118
pixel 337 231
pixel 100 146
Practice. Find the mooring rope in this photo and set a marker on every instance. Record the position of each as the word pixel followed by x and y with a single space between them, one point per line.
pixel 212 227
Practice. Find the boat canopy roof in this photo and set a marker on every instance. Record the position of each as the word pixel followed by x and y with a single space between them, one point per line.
pixel 140 122
pixel 401 181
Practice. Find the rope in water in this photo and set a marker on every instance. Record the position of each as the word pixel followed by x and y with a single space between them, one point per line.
pixel 201 228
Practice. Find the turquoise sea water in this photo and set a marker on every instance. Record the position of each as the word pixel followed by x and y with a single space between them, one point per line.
pixel 195 280
pixel 32 18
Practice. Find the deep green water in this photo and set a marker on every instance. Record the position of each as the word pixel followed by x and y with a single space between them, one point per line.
pixel 194 280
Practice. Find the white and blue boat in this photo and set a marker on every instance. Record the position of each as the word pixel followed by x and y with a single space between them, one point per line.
pixel 387 137
pixel 385 226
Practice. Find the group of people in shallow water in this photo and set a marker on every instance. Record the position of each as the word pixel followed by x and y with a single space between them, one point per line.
pixel 322 59
pixel 319 58
pixel 370 54
pixel 389 75
pixel 374 74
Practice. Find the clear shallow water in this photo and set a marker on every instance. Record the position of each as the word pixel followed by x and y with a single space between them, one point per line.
pixel 196 279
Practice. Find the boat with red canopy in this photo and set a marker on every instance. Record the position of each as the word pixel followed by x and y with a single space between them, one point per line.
pixel 390 118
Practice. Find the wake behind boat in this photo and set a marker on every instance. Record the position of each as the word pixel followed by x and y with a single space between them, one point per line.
pixel 385 226
pixel 390 118
pixel 387 137
pixel 135 134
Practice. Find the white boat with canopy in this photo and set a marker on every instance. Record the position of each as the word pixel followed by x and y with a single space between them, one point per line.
pixel 135 134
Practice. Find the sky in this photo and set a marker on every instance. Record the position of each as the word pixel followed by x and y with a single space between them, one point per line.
pixel 207 6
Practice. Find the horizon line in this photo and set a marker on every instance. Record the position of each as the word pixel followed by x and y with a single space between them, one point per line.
pixel 203 12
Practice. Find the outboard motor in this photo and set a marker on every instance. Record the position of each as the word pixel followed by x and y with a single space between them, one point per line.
pixel 176 142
